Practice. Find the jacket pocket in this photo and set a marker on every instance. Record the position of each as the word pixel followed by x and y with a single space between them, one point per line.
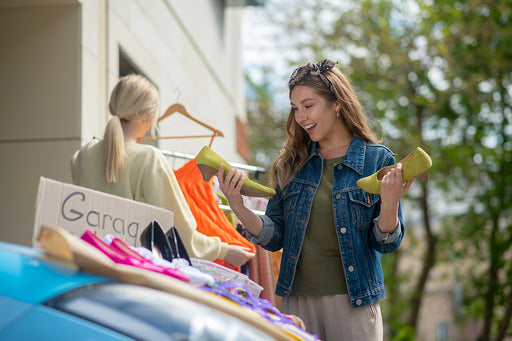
pixel 362 206
pixel 290 197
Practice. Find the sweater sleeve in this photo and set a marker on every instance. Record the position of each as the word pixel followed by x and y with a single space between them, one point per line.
pixel 159 187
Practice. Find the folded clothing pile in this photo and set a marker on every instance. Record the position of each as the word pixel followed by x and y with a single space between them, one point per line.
pixel 240 294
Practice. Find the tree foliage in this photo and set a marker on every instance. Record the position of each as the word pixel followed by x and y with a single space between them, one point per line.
pixel 476 111
pixel 266 122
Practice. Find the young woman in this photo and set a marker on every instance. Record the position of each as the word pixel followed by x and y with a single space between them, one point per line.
pixel 119 165
pixel 332 232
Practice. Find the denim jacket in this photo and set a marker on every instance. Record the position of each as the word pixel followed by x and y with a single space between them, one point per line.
pixel 356 214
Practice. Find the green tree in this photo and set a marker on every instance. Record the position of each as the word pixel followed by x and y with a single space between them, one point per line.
pixel 473 39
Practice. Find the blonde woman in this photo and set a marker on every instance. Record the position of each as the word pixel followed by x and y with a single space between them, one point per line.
pixel 331 231
pixel 119 165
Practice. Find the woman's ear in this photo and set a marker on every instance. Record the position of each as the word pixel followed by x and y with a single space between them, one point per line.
pixel 337 106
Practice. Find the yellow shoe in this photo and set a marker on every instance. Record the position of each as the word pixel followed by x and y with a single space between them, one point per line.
pixel 209 162
pixel 415 165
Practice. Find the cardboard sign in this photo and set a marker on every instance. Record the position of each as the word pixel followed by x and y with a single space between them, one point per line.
pixel 76 209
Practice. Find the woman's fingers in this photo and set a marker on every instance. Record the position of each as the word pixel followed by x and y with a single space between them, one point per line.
pixel 240 183
pixel 394 176
pixel 408 184
pixel 238 256
pixel 232 181
pixel 392 184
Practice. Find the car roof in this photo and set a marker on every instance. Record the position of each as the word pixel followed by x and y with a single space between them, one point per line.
pixel 28 275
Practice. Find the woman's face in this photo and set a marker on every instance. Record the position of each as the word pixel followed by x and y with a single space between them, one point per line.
pixel 314 114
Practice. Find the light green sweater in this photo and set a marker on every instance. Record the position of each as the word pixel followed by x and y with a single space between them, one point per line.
pixel 147 177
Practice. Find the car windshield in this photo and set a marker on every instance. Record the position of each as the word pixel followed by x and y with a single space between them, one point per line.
pixel 148 314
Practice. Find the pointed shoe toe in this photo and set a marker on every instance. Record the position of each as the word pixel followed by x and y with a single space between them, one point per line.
pixel 154 238
pixel 177 246
pixel 415 165
pixel 209 162
pixel 370 184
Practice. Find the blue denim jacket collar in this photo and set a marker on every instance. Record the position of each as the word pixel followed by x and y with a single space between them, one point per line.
pixel 354 158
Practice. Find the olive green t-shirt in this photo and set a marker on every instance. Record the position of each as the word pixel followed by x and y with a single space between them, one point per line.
pixel 320 269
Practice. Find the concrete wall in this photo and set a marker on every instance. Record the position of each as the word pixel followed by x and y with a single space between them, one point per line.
pixel 40 111
pixel 60 59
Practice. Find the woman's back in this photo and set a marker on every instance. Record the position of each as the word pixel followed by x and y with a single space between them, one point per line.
pixel 118 165
pixel 87 170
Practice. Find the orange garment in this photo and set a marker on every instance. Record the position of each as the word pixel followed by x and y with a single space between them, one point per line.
pixel 276 264
pixel 210 218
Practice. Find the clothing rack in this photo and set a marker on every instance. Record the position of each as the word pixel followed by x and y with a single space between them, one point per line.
pixel 256 170
pixel 227 208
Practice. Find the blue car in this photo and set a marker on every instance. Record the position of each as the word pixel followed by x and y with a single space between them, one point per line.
pixel 43 299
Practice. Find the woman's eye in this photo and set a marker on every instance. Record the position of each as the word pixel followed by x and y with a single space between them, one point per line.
pixel 309 106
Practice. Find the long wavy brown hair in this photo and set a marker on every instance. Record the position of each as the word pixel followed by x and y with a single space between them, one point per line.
pixel 294 154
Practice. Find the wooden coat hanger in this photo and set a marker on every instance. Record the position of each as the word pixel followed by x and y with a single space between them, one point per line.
pixel 180 108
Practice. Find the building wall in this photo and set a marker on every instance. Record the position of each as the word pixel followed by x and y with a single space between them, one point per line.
pixel 60 60
pixel 40 111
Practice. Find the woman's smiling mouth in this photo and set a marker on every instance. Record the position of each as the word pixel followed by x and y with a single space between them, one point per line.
pixel 310 127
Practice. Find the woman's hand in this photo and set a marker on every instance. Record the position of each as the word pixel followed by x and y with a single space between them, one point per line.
pixel 238 255
pixel 231 185
pixel 392 189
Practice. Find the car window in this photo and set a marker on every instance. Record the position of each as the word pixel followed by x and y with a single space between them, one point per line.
pixel 148 314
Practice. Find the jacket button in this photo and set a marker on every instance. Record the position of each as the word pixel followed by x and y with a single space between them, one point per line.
pixel 338 196
pixel 343 230
pixel 340 167
pixel 351 268
pixel 359 302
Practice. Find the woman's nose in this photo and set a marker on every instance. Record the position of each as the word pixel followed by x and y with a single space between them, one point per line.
pixel 299 116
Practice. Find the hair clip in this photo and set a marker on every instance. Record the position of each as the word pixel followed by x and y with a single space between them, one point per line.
pixel 317 69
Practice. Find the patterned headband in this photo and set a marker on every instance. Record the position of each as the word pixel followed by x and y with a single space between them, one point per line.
pixel 318 69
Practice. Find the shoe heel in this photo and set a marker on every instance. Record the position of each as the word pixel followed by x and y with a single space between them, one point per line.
pixel 207 171
pixel 424 176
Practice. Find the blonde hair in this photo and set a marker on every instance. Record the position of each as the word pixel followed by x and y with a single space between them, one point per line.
pixel 133 98
pixel 335 88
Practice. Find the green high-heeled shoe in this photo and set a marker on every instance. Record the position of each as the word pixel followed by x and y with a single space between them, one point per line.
pixel 209 162
pixel 415 165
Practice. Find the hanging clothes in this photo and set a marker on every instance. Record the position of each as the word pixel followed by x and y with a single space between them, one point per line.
pixel 210 218
pixel 265 274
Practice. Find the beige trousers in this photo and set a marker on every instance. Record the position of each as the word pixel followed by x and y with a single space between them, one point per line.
pixel 332 318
